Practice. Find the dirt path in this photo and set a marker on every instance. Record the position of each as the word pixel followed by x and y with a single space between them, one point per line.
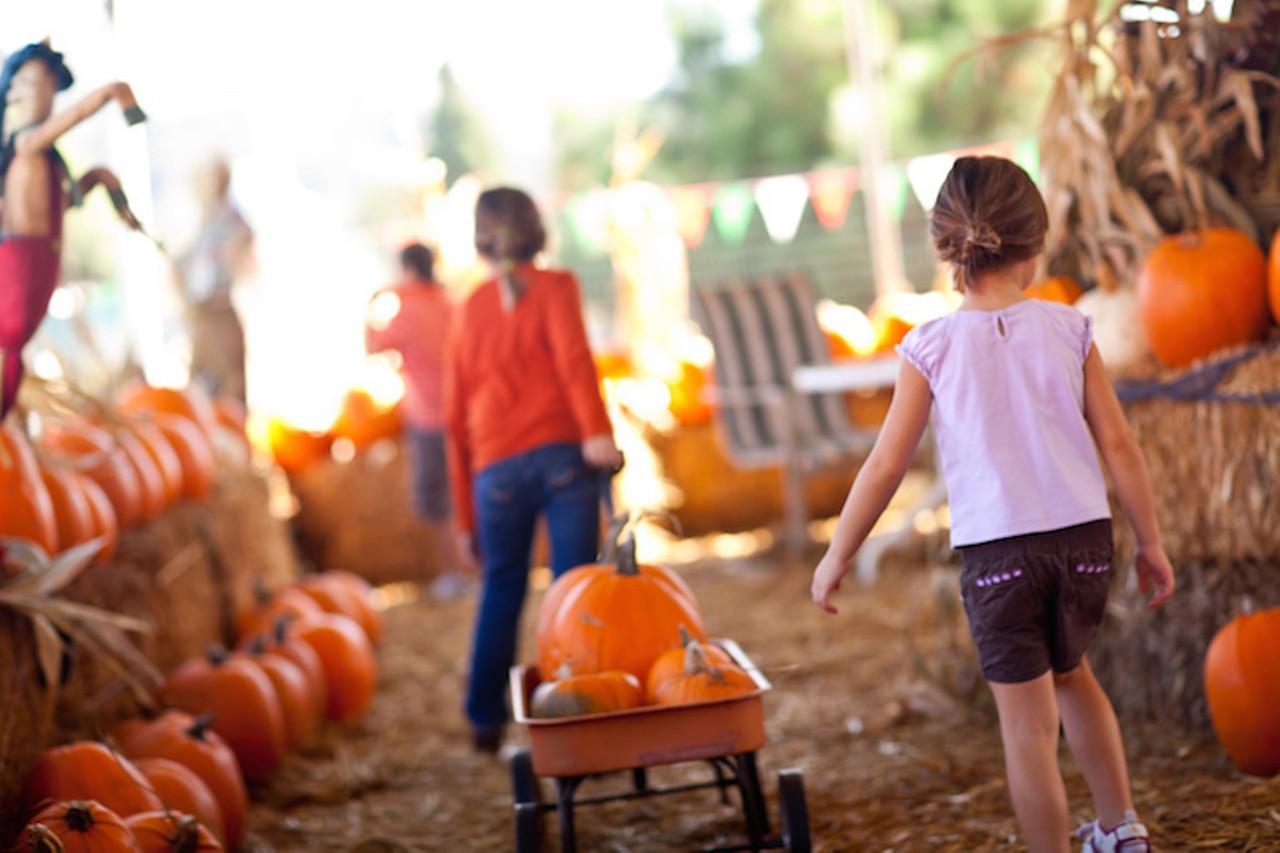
pixel 877 707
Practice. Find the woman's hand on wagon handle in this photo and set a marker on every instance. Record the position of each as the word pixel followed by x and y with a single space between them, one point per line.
pixel 600 451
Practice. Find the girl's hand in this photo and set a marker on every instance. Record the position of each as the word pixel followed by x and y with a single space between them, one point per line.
pixel 826 580
pixel 1155 574
pixel 600 451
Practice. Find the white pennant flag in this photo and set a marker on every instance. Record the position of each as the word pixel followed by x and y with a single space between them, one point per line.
pixel 926 174
pixel 781 200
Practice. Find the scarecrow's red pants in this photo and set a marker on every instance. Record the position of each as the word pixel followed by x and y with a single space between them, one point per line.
pixel 28 275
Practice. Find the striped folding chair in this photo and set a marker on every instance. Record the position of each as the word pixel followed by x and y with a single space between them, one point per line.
pixel 762 330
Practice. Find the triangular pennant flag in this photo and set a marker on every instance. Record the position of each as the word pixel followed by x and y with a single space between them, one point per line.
pixel 781 200
pixel 693 211
pixel 830 192
pixel 588 215
pixel 732 211
pixel 892 184
pixel 926 175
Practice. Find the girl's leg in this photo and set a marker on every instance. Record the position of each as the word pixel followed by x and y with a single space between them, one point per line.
pixel 1094 736
pixel 506 508
pixel 1029 728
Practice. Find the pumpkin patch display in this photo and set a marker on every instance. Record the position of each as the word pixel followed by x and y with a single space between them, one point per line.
pixel 1242 685
pixel 696 678
pixel 570 695
pixel 191 742
pixel 240 696
pixel 1201 291
pixel 88 770
pixel 77 826
pixel 618 616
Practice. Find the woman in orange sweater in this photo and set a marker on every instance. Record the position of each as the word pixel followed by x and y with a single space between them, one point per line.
pixel 528 433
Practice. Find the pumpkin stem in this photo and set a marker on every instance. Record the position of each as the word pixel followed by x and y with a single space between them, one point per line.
pixel 200 726
pixel 42 839
pixel 261 595
pixel 257 645
pixel 218 654
pixel 685 637
pixel 186 836
pixel 627 564
pixel 280 630
pixel 696 663
pixel 609 549
pixel 79 816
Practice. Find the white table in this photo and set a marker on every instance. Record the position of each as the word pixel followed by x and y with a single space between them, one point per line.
pixel 864 375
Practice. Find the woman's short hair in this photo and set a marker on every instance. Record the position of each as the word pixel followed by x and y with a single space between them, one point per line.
pixel 418 259
pixel 989 213
pixel 508 225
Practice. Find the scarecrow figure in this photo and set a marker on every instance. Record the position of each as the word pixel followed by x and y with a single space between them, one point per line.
pixel 36 188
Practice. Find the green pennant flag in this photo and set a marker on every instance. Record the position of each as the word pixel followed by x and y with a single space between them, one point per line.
pixel 893 186
pixel 732 212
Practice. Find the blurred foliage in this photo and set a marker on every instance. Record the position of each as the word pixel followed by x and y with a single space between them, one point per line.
pixel 456 133
pixel 787 105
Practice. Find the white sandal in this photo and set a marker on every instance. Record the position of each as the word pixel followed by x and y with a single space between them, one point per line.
pixel 1127 837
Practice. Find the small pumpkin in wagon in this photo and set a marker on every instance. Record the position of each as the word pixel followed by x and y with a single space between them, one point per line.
pixel 697 679
pixel 614 616
pixel 570 695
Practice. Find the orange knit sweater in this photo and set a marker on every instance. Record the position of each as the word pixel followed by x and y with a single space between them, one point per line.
pixel 518 379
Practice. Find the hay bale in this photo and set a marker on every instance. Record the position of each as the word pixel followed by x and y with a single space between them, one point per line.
pixel 179 573
pixel 704 491
pixel 1151 663
pixel 1214 462
pixel 357 515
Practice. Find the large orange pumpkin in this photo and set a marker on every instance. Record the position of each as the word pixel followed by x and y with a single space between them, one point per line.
pixel 26 510
pixel 345 653
pixel 88 770
pixel 79 826
pixel 1242 684
pixel 246 710
pixel 1273 277
pixel 71 510
pixel 182 790
pixel 1202 291
pixel 171 831
pixel 194 451
pixel 618 616
pixel 191 402
pixel 295 449
pixel 93 451
pixel 191 742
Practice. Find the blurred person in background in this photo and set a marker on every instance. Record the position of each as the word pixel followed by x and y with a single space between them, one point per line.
pixel 528 436
pixel 412 318
pixel 221 256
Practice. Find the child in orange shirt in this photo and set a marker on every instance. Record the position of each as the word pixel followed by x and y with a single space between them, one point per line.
pixel 528 435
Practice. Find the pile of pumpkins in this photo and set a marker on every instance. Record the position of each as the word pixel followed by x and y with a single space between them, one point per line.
pixel 620 634
pixel 177 781
pixel 362 420
pixel 93 473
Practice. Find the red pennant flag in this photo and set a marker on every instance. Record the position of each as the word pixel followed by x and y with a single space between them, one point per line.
pixel 830 194
pixel 692 203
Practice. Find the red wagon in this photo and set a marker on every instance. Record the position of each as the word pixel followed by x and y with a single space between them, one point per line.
pixel 726 733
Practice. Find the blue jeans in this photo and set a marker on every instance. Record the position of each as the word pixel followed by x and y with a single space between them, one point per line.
pixel 554 481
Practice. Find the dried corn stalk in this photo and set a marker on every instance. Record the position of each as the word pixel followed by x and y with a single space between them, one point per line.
pixel 1151 128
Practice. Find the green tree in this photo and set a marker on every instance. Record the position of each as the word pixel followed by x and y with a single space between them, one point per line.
pixel 455 132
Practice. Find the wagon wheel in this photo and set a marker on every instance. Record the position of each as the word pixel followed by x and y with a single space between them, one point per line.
pixel 528 805
pixel 524 784
pixel 795 812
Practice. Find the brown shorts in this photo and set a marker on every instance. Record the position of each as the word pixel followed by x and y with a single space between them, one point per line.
pixel 1035 602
